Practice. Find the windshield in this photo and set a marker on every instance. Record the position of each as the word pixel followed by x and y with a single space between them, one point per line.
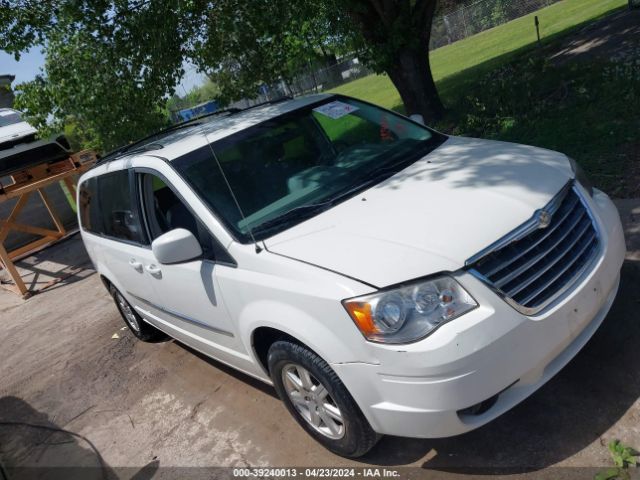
pixel 294 166
pixel 9 117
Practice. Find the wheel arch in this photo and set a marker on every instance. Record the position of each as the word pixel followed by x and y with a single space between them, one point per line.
pixel 108 279
pixel 294 324
pixel 106 282
pixel 261 340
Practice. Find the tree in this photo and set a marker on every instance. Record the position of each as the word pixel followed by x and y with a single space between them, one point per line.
pixel 394 36
pixel 80 86
pixel 112 64
pixel 264 38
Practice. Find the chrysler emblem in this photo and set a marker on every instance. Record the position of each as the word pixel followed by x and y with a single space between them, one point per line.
pixel 544 219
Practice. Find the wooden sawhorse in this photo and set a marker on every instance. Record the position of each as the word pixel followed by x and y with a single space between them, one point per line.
pixel 27 182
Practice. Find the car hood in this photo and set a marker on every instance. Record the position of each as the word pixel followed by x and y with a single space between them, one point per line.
pixel 431 216
pixel 16 131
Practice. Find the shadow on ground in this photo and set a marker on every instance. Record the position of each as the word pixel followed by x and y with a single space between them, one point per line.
pixel 60 264
pixel 615 37
pixel 34 447
pixel 243 377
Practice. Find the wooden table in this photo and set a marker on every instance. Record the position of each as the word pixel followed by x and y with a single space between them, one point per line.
pixel 27 182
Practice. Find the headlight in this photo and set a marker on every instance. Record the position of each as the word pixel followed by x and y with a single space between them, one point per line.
pixel 410 312
pixel 581 176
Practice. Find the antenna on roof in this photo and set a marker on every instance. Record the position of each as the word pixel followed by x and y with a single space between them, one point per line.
pixel 233 195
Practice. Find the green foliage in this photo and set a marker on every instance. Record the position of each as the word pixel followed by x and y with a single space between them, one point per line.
pixel 80 87
pixel 35 100
pixel 98 70
pixel 80 135
pixel 499 12
pixel 242 45
pixel 623 457
pixel 111 65
pixel 610 474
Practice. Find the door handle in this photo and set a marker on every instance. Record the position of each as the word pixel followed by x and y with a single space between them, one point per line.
pixel 137 266
pixel 154 270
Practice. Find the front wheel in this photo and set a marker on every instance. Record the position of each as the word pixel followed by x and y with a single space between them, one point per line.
pixel 141 329
pixel 318 400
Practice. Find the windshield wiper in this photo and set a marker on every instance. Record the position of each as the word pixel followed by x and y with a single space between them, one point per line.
pixel 306 211
pixel 312 209
pixel 296 213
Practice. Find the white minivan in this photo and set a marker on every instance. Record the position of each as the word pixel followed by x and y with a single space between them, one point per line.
pixel 13 129
pixel 384 277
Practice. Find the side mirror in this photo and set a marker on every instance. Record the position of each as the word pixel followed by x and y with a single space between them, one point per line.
pixel 176 246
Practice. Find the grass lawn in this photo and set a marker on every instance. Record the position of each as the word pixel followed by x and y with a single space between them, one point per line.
pixel 498 85
pixel 488 48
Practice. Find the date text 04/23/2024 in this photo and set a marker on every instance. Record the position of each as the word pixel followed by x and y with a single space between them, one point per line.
pixel 318 472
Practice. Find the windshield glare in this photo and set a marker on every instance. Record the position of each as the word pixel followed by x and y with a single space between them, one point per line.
pixel 9 117
pixel 300 160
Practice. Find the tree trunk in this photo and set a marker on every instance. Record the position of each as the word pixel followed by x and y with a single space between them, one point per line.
pixel 411 75
pixel 396 35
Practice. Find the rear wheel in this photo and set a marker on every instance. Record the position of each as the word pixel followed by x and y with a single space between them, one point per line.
pixel 141 329
pixel 318 400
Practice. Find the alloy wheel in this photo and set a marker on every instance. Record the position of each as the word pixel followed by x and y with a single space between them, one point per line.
pixel 126 310
pixel 312 401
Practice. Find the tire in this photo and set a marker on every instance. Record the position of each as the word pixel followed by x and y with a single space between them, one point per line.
pixel 140 329
pixel 351 436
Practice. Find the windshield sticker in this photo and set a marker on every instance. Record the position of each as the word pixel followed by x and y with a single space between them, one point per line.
pixel 335 110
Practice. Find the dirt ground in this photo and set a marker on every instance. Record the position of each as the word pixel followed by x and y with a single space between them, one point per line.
pixel 66 361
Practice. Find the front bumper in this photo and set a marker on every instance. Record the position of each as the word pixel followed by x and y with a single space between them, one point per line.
pixel 419 390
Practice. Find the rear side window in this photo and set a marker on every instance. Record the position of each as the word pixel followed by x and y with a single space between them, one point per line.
pixel 89 210
pixel 107 207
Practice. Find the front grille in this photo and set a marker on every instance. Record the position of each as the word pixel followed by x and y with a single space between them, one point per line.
pixel 536 264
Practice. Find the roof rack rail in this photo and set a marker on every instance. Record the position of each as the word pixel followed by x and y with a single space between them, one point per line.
pixel 284 98
pixel 113 154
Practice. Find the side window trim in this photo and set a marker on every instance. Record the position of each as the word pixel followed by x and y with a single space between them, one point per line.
pixel 221 254
pixel 137 209
pixel 85 209
pixel 142 207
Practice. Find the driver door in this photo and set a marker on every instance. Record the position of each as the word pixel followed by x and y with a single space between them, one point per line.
pixel 186 296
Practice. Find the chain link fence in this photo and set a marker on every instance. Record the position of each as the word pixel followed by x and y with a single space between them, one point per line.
pixel 447 28
pixel 479 16
pixel 349 68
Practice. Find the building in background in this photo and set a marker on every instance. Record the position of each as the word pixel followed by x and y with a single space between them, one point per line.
pixel 193 112
pixel 6 94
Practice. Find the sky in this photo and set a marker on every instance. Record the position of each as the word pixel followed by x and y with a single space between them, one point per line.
pixel 24 70
pixel 31 62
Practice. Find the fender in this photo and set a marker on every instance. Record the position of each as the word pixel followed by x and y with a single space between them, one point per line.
pixel 334 345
